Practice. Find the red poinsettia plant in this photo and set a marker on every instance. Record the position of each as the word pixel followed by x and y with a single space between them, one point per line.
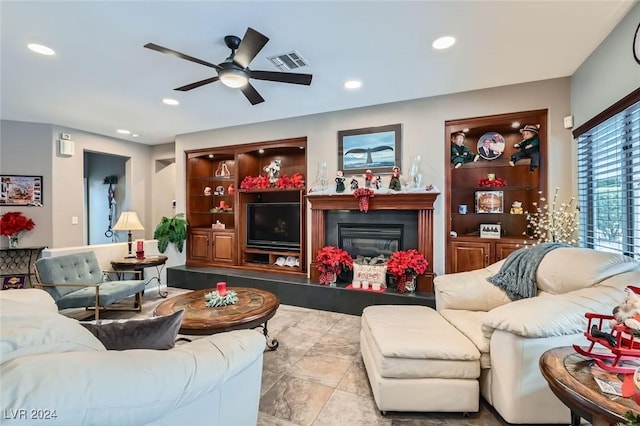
pixel 15 222
pixel 405 265
pixel 295 181
pixel 332 260
pixel 363 194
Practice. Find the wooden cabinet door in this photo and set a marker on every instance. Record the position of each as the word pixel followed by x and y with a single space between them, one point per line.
pixel 467 256
pixel 223 248
pixel 505 249
pixel 199 247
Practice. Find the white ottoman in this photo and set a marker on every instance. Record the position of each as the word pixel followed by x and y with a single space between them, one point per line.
pixel 417 361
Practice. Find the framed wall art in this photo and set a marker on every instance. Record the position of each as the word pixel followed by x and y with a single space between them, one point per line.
pixel 490 230
pixel 373 148
pixel 489 201
pixel 20 190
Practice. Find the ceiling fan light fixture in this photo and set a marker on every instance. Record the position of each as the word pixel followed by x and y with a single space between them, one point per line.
pixel 233 78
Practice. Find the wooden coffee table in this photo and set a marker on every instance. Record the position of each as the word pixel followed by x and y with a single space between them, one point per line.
pixel 569 377
pixel 254 308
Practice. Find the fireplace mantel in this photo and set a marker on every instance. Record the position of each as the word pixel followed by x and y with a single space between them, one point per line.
pixel 422 202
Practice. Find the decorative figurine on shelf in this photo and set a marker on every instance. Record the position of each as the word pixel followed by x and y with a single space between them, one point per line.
pixel 231 189
pixel 415 172
pixel 219 190
pixel 340 181
pixel 354 183
pixel 395 179
pixel 207 190
pixel 460 153
pixel 516 208
pixel 273 171
pixel 223 170
pixel 378 182
pixel 529 147
pixel 368 178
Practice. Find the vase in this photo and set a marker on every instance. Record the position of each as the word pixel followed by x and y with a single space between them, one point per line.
pixel 410 285
pixel 13 240
pixel 406 284
pixel 334 280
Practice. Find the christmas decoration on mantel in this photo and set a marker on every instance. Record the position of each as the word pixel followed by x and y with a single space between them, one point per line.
pixel 363 195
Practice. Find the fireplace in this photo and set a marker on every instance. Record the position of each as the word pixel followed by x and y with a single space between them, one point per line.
pixel 373 233
pixel 411 213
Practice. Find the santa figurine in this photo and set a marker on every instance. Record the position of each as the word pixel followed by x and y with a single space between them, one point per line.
pixel 368 179
pixel 340 181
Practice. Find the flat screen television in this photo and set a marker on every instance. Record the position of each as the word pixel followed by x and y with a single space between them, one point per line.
pixel 273 226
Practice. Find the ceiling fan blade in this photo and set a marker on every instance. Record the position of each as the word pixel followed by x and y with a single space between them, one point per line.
pixel 196 84
pixel 251 44
pixel 252 94
pixel 282 77
pixel 161 49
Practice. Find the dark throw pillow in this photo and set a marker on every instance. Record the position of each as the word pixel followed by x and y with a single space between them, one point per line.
pixel 152 333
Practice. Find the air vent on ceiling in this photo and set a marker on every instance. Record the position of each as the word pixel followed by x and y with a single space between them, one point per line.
pixel 288 61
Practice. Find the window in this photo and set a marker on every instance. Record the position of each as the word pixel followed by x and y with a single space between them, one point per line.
pixel 609 180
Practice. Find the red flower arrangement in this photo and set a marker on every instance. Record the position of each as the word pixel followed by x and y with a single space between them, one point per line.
pixel 488 183
pixel 363 194
pixel 406 265
pixel 332 260
pixel 261 182
pixel 15 222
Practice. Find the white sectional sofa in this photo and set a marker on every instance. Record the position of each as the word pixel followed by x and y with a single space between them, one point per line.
pixel 511 335
pixel 54 371
pixel 479 342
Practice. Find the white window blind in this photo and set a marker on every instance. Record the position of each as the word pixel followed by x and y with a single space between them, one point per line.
pixel 609 184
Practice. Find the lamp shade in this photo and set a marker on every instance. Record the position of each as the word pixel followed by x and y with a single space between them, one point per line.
pixel 128 221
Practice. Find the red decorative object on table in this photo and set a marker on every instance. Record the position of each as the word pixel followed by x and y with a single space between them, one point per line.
pixel 406 265
pixel 15 222
pixel 332 260
pixel 221 287
pixel 363 194
pixel 489 183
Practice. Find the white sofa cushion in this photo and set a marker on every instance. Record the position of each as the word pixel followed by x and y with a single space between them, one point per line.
pixel 31 327
pixel 469 290
pixel 558 314
pixel 469 323
pixel 568 269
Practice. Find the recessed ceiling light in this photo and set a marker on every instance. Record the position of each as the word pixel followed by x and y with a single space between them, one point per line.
pixel 124 132
pixel 353 84
pixel 443 42
pixel 210 155
pixel 170 101
pixel 39 48
pixel 261 151
pixel 515 124
pixel 135 135
pixel 465 130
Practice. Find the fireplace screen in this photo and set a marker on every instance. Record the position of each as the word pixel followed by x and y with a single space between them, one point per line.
pixel 369 240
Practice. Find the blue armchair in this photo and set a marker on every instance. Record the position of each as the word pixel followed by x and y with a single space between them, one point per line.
pixel 76 281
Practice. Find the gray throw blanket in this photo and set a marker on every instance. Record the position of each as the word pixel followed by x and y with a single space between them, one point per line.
pixel 517 277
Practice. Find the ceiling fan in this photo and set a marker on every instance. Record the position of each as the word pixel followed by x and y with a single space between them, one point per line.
pixel 234 71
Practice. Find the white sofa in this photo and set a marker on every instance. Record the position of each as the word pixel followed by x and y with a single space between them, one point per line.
pixel 50 364
pixel 511 335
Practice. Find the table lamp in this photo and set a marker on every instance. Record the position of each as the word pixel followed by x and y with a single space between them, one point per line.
pixel 128 221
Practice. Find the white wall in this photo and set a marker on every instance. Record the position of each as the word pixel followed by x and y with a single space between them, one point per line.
pixel 423 133
pixel 26 149
pixel 609 73
pixel 164 182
